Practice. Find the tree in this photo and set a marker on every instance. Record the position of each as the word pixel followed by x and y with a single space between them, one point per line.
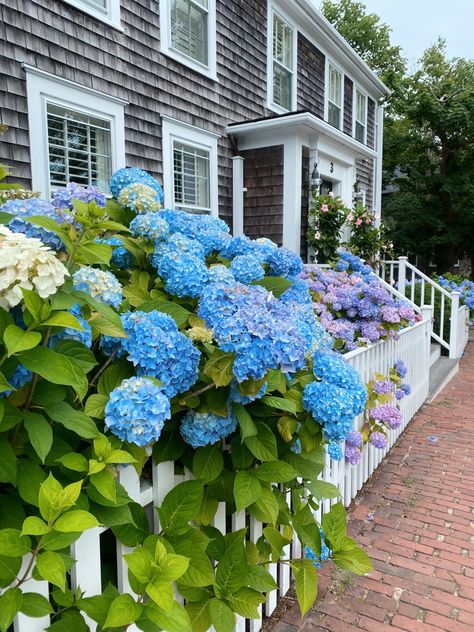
pixel 429 157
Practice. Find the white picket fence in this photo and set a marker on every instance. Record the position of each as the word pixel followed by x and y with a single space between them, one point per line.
pixel 412 347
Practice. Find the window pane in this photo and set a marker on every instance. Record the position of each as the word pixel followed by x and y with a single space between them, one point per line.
pixel 334 115
pixel 191 176
pixel 189 28
pixel 281 87
pixel 282 42
pixel 359 132
pixel 335 81
pixel 360 107
pixel 79 148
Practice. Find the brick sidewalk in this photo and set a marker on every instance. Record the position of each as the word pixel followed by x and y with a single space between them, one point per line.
pixel 421 540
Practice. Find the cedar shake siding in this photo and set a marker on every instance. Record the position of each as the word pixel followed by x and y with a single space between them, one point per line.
pixel 348 101
pixel 304 203
pixel 64 41
pixel 311 69
pixel 365 177
pixel 263 199
pixel 371 123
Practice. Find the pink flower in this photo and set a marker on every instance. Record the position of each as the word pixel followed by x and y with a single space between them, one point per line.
pixel 317 235
pixel 367 221
pixel 358 221
pixel 331 194
pixel 324 208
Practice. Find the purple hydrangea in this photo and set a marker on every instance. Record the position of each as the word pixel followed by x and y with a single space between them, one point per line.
pixel 388 415
pixel 378 440
pixel 352 454
pixel 383 387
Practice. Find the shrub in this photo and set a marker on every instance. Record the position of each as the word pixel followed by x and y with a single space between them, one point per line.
pixel 327 216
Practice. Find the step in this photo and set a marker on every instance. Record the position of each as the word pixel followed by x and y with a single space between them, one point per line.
pixel 441 373
pixel 435 352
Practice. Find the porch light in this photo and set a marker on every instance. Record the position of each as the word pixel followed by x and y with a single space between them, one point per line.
pixel 315 180
pixel 358 194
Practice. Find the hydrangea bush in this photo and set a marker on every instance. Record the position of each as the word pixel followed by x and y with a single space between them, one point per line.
pixel 152 331
pixel 353 305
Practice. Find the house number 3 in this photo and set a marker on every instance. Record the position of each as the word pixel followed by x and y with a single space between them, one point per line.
pixel 331 167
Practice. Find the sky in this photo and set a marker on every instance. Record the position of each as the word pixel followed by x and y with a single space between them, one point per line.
pixel 416 24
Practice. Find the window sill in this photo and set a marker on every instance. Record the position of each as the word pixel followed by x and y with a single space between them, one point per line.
pixel 209 73
pixel 278 109
pixel 96 14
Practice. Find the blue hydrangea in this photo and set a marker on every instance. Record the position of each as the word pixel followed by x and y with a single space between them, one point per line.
pixel 211 232
pixel 200 429
pixel 157 349
pixel 326 553
pixel 85 336
pixel 246 268
pixel 184 274
pixel 298 292
pixel 151 226
pixel 120 255
pixel 333 368
pixel 237 397
pixel 136 411
pixel 22 209
pixel 174 244
pixel 240 245
pixel 124 177
pixel 296 446
pixel 220 274
pixel 19 378
pixel 139 198
pixel 406 388
pixel 63 197
pixel 100 284
pixel 335 452
pixel 400 368
pixel 284 262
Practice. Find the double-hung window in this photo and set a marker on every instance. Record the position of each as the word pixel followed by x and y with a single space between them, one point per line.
pixel 104 10
pixel 188 33
pixel 76 133
pixel 334 96
pixel 189 167
pixel 360 118
pixel 281 64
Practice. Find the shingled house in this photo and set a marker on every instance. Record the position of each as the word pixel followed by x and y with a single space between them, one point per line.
pixel 229 103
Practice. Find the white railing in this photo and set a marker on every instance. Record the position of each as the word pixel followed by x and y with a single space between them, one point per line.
pixel 462 334
pixel 412 347
pixel 449 318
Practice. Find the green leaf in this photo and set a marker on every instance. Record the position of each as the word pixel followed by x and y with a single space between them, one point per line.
pixel 10 604
pixel 181 505
pixel 9 569
pixel 136 295
pixel 17 339
pixel 119 456
pixel 33 525
pixel 307 528
pixel 55 368
pixel 108 314
pixel 105 484
pixel 161 592
pixel 39 432
pixel 266 507
pixel 79 353
pixel 352 558
pixel 247 489
pixel 246 423
pixel 140 564
pixel 199 572
pixel 322 489
pixel 174 567
pixel 304 467
pixel 90 252
pixel 287 427
pixel 231 572
pixel 222 617
pixel 51 567
pixel 74 461
pixel 4 384
pixel 123 611
pixel 174 620
pixel 95 405
pixel 306 584
pixel 275 472
pixel 199 616
pixel 35 605
pixel 276 541
pixel 53 226
pixel 72 419
pixel 219 367
pixel 179 313
pixel 280 403
pixel 263 446
pixel 30 477
pixel 276 285
pixel 76 520
pixel 112 377
pixel 8 462
pixel 208 462
pixel 260 579
pixel 246 602
pixel 63 319
pixel 334 523
pixel 49 498
pixel 13 544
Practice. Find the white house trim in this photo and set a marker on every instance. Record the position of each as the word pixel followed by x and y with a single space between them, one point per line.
pixel 274 8
pixel 208 70
pixel 174 130
pixel 110 14
pixel 43 88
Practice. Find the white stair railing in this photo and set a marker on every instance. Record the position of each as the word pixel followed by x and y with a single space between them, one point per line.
pixel 450 327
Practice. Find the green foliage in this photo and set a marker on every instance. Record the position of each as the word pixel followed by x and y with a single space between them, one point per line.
pixel 327 216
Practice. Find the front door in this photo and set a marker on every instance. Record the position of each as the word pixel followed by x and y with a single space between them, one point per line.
pixel 326 187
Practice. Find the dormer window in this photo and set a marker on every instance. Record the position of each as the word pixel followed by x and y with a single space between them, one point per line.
pixel 334 96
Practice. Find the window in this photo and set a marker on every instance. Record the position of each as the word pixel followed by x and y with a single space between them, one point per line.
pixel 104 10
pixel 76 133
pixel 334 96
pixel 282 63
pixel 360 119
pixel 79 148
pixel 188 33
pixel 189 167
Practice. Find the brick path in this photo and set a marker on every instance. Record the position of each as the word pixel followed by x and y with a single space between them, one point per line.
pixel 421 540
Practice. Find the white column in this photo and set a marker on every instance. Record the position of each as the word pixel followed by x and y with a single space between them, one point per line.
pixel 237 195
pixel 292 173
pixel 402 274
pixel 427 311
pixel 453 327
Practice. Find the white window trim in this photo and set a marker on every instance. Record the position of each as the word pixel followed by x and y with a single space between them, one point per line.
pixel 329 62
pixel 174 130
pixel 354 113
pixel 43 88
pixel 210 70
pixel 271 11
pixel 110 15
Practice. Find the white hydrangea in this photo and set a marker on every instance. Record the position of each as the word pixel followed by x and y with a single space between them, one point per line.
pixel 140 198
pixel 27 263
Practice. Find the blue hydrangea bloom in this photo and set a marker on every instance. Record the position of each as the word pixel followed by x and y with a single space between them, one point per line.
pixel 20 377
pixel 84 336
pixel 200 429
pixel 296 446
pixel 246 268
pixel 220 274
pixel 100 284
pixel 151 226
pixel 174 244
pixel 211 232
pixel 136 411
pixel 63 197
pixel 124 177
pixel 284 262
pixel 406 388
pixel 326 553
pixel 240 245
pixel 120 255
pixel 22 209
pixel 184 274
pixel 335 452
pixel 157 349
pixel 400 368
pixel 333 368
pixel 237 397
